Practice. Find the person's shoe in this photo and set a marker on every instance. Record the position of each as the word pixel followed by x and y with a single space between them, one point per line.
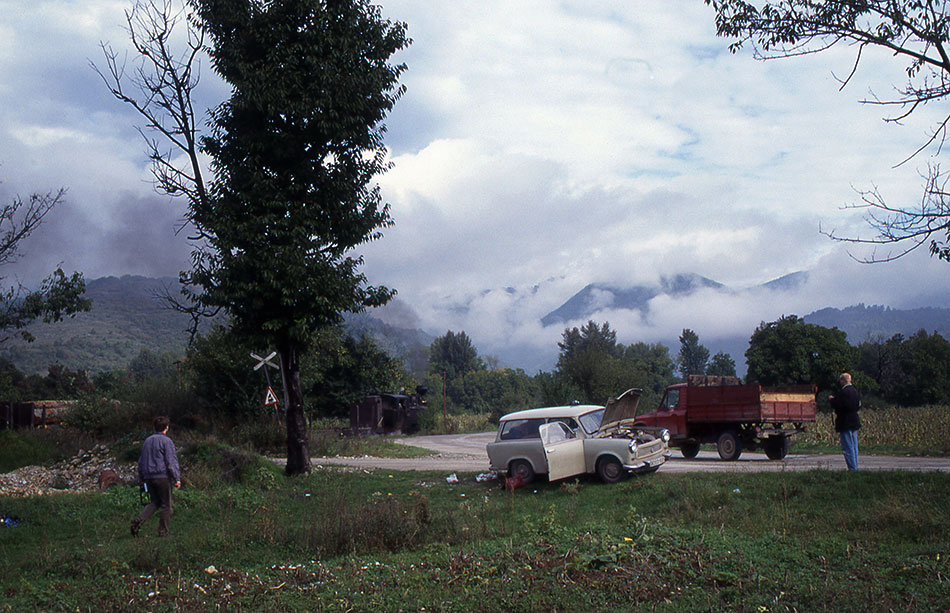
pixel 135 527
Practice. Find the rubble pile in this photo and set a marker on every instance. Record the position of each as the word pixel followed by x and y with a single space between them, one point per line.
pixel 81 473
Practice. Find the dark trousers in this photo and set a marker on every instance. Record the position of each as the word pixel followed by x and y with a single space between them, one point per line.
pixel 160 499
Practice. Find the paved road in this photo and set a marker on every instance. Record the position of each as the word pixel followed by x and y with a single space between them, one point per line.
pixel 466 453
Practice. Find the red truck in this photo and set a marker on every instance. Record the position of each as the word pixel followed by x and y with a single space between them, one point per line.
pixel 721 410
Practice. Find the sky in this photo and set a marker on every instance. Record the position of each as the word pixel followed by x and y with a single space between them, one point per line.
pixel 540 147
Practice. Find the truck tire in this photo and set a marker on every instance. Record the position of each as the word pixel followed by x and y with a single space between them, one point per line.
pixel 776 447
pixel 729 445
pixel 690 450
pixel 523 469
pixel 610 470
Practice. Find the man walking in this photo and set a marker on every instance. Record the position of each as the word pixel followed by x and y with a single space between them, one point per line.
pixel 158 468
pixel 846 404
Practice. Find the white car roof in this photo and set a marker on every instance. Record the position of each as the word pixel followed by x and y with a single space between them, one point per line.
pixel 552 412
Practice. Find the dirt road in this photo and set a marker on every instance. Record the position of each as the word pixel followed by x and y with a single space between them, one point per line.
pixel 466 453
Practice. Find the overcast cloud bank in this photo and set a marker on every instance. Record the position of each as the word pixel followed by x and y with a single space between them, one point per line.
pixel 540 148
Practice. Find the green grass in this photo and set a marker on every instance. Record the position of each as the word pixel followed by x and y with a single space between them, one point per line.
pixel 340 540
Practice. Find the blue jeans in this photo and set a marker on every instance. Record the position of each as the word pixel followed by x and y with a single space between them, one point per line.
pixel 849 447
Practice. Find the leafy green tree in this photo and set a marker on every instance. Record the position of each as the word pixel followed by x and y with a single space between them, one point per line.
pixel 925 365
pixel 882 361
pixel 218 369
pixel 790 351
pixel 12 381
pixel 497 391
pixel 651 369
pixel 60 383
pixel 555 389
pixel 293 153
pixel 915 31
pixel 342 370
pixel 590 360
pixel 454 355
pixel 59 295
pixel 722 364
pixel 693 356
pixel 150 365
pixel 599 368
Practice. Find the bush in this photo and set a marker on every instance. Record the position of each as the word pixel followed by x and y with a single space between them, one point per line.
pixel 206 462
pixel 18 450
pixel 101 416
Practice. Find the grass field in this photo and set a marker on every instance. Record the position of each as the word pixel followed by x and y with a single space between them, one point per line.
pixel 379 541
pixel 249 538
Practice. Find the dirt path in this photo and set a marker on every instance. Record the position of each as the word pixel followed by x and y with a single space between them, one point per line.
pixel 466 453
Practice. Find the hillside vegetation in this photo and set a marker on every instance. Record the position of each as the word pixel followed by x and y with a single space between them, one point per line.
pixel 127 316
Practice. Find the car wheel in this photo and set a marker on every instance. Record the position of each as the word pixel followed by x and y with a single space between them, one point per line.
pixel 523 469
pixel 689 450
pixel 610 470
pixel 729 445
pixel 776 447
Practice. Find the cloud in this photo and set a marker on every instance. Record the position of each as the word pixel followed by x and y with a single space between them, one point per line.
pixel 540 148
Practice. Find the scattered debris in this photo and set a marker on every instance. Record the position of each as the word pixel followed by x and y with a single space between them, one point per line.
pixel 486 477
pixel 82 473
pixel 453 478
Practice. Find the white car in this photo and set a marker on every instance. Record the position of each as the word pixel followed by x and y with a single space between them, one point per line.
pixel 572 440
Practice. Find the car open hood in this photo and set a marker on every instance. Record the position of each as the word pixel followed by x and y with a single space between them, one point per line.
pixel 620 408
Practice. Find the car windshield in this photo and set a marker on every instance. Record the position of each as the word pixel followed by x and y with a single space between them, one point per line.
pixel 591 421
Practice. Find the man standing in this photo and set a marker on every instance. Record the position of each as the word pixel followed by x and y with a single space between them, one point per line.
pixel 158 468
pixel 846 404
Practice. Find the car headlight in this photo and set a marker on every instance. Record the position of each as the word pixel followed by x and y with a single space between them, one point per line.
pixel 633 447
pixel 665 435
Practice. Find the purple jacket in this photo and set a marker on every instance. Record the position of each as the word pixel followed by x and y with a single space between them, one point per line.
pixel 158 459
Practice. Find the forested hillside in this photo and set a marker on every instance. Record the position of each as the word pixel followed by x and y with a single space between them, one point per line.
pixel 127 316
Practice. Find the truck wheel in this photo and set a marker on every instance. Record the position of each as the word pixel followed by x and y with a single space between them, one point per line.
pixel 610 470
pixel 729 445
pixel 689 450
pixel 776 447
pixel 521 468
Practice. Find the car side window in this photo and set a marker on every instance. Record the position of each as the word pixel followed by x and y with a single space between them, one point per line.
pixel 521 429
pixel 672 399
pixel 567 421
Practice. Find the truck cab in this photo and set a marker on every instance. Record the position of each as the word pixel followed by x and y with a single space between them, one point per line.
pixel 671 413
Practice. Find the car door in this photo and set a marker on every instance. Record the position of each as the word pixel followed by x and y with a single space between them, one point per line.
pixel 562 450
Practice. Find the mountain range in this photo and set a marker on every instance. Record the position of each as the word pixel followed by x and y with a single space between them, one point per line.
pixel 128 315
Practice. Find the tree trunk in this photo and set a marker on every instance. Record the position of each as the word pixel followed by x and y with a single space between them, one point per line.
pixel 298 450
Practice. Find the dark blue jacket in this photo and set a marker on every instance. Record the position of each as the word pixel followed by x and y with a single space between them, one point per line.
pixel 846 404
pixel 158 459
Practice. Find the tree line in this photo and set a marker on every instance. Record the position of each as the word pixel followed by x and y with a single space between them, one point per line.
pixel 215 383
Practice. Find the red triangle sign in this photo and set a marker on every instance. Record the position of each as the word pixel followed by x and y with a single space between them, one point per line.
pixel 271 398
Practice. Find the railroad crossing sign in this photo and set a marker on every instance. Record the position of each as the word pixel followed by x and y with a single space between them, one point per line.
pixel 265 361
pixel 270 400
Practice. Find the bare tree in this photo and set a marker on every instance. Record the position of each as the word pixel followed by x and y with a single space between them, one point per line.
pixel 916 30
pixel 159 86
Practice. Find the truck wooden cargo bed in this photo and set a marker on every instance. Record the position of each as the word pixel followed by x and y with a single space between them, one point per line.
pixel 750 404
